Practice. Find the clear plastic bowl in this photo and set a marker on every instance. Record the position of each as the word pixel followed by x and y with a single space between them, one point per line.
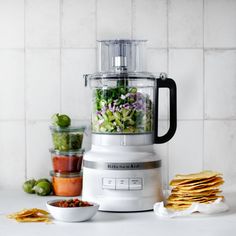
pixel 66 139
pixel 67 161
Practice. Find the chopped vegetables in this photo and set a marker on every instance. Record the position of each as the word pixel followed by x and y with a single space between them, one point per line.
pixel 122 110
pixel 71 203
pixel 65 140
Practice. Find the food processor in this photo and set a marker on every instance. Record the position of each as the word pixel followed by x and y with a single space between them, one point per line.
pixel 122 172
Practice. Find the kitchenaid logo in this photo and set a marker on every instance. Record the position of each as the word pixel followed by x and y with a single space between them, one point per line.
pixel 123 165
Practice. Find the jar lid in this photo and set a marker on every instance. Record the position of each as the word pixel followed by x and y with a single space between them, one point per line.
pixel 65 174
pixel 67 153
pixel 68 129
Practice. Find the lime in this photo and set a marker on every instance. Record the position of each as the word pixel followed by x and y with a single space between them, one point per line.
pixel 62 121
pixel 55 119
pixel 42 180
pixel 43 188
pixel 29 185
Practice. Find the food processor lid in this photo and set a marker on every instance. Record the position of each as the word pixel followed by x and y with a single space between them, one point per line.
pixel 121 55
pixel 115 75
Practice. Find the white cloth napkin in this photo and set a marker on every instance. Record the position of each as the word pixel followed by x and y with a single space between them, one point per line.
pixel 216 207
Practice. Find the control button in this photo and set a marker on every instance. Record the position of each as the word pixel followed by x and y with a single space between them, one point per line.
pixel 122 184
pixel 135 184
pixel 108 183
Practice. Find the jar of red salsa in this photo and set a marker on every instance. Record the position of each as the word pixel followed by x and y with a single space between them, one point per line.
pixel 70 161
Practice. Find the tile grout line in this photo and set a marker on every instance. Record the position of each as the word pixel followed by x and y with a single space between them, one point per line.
pixel 168 70
pixel 60 53
pixel 96 34
pixel 204 90
pixel 96 22
pixel 151 48
pixel 25 103
pixel 132 18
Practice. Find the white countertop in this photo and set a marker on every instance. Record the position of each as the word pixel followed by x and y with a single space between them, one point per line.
pixel 120 224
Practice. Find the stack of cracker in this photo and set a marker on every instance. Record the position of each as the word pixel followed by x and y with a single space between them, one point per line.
pixel 200 187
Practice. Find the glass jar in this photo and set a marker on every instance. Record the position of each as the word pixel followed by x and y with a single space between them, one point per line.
pixel 66 139
pixel 66 184
pixel 67 161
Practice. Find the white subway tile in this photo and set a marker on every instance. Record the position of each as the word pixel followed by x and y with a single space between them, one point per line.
pixel 12 84
pixel 12 145
pixel 79 23
pixel 186 68
pixel 38 143
pixel 156 60
pixel 220 149
pixel 156 63
pixel 76 98
pixel 162 153
pixel 11 24
pixel 114 19
pixel 186 23
pixel 42 83
pixel 220 84
pixel 186 148
pixel 42 23
pixel 220 18
pixel 150 22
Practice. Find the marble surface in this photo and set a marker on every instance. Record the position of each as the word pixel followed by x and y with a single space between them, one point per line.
pixel 104 223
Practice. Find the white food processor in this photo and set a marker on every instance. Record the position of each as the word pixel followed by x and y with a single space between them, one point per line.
pixel 121 172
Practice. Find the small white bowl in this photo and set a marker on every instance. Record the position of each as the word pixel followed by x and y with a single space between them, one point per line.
pixel 72 214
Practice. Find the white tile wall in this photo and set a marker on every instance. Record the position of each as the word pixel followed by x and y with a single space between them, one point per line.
pixel 12 84
pixel 114 19
pixel 78 23
pixel 38 163
pixel 156 63
pixel 155 14
pixel 46 46
pixel 11 24
pixel 220 140
pixel 42 83
pixel 186 148
pixel 220 18
pixel 42 22
pixel 185 23
pixel 12 145
pixel 186 67
pixel 220 84
pixel 76 98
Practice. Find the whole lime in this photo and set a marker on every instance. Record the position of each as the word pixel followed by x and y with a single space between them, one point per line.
pixel 43 188
pixel 62 121
pixel 29 185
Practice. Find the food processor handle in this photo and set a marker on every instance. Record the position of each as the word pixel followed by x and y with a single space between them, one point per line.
pixel 170 84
